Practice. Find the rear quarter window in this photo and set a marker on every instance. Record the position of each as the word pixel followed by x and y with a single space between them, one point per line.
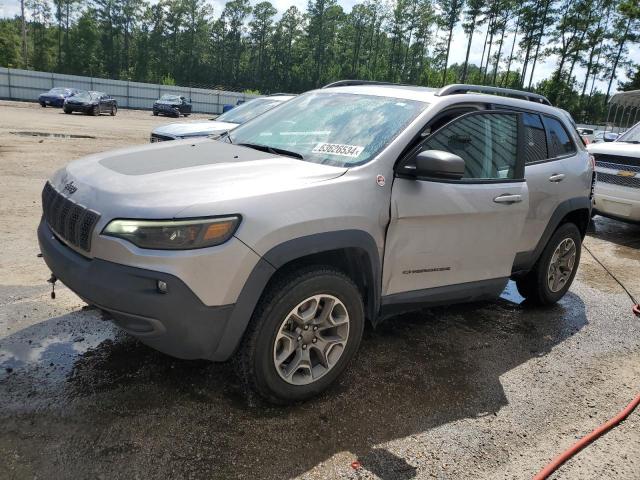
pixel 560 143
pixel 535 139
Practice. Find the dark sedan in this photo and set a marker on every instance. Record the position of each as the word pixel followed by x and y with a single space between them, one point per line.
pixel 173 105
pixel 56 97
pixel 92 103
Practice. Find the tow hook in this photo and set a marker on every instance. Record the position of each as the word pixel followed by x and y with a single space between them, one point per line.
pixel 52 280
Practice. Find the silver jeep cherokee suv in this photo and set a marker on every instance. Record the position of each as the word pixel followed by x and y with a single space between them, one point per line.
pixel 348 203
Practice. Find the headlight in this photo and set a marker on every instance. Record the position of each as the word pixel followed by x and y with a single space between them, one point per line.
pixel 174 234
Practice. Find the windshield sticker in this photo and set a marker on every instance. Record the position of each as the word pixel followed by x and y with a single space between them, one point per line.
pixel 337 149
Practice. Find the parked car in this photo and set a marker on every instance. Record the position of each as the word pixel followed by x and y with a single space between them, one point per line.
pixel 346 204
pixel 173 105
pixel 91 103
pixel 56 96
pixel 216 126
pixel 617 189
pixel 586 134
pixel 601 136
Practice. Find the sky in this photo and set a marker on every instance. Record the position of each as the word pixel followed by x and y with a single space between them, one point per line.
pixel 9 8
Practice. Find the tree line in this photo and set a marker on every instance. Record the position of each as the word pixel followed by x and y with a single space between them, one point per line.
pixel 251 46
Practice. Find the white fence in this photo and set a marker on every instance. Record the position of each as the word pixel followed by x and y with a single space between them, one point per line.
pixel 27 85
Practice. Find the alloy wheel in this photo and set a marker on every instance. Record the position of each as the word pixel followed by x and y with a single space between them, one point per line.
pixel 561 265
pixel 311 339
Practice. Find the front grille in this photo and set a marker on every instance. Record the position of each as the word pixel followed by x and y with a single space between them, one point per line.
pixel 71 221
pixel 160 138
pixel 617 166
pixel 617 160
pixel 632 182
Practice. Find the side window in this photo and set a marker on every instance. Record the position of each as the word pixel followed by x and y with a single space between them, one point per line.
pixel 487 142
pixel 535 138
pixel 559 140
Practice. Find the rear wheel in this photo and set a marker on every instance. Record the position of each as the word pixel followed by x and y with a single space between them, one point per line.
pixel 114 110
pixel 95 110
pixel 43 105
pixel 303 334
pixel 555 270
pixel 155 114
pixel 68 111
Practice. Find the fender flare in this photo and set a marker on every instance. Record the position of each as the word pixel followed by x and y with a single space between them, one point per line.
pixel 524 261
pixel 286 252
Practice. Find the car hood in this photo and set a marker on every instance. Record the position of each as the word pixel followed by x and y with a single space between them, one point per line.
pixel 162 180
pixel 173 103
pixel 194 128
pixel 77 101
pixel 615 148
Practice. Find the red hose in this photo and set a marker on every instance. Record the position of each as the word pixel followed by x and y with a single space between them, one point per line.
pixel 586 440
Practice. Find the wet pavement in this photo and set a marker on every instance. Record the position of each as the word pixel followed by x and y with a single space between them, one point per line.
pixel 490 390
pixel 81 399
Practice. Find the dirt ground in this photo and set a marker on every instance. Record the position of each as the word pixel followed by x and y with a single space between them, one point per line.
pixel 490 390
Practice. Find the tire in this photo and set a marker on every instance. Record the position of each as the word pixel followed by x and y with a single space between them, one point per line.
pixel 95 111
pixel 43 105
pixel 67 111
pixel 187 114
pixel 539 286
pixel 264 341
pixel 114 110
pixel 155 114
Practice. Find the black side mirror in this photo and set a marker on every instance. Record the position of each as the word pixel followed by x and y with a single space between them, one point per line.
pixel 439 164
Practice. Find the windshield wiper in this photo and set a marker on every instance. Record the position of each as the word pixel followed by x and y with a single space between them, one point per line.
pixel 274 150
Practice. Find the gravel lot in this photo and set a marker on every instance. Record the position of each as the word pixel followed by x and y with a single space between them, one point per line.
pixel 491 390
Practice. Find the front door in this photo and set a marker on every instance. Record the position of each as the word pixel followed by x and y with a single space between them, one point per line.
pixel 459 233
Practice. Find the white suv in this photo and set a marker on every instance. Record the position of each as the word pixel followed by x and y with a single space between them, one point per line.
pixel 617 191
pixel 344 205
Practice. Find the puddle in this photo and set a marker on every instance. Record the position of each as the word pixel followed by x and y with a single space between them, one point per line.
pixel 50 135
pixel 51 348
pixel 511 294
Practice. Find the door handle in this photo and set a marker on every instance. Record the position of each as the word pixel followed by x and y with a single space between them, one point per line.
pixel 556 177
pixel 508 198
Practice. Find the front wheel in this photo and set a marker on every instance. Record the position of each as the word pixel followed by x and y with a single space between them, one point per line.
pixel 555 270
pixel 68 111
pixel 114 110
pixel 95 110
pixel 302 336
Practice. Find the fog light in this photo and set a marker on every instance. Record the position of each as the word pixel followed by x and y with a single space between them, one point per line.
pixel 162 286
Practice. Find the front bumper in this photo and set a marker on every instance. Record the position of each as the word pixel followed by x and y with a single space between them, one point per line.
pixel 176 323
pixel 167 110
pixel 617 202
pixel 77 107
pixel 51 101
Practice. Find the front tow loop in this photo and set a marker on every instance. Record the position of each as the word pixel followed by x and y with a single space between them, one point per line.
pixel 52 280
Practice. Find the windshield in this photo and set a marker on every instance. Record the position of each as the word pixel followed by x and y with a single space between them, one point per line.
pixel 340 129
pixel 172 98
pixel 245 112
pixel 631 136
pixel 58 90
pixel 82 96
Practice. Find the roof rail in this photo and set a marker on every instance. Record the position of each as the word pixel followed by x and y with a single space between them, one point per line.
pixel 352 83
pixel 282 93
pixel 464 88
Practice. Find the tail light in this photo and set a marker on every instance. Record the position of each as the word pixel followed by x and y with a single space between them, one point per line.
pixel 592 160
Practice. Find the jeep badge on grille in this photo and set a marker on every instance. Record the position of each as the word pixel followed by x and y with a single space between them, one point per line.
pixel 71 188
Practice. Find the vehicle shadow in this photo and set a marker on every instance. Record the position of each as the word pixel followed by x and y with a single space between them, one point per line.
pixel 121 409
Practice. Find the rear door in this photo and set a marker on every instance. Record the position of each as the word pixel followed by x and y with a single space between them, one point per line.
pixel 459 233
